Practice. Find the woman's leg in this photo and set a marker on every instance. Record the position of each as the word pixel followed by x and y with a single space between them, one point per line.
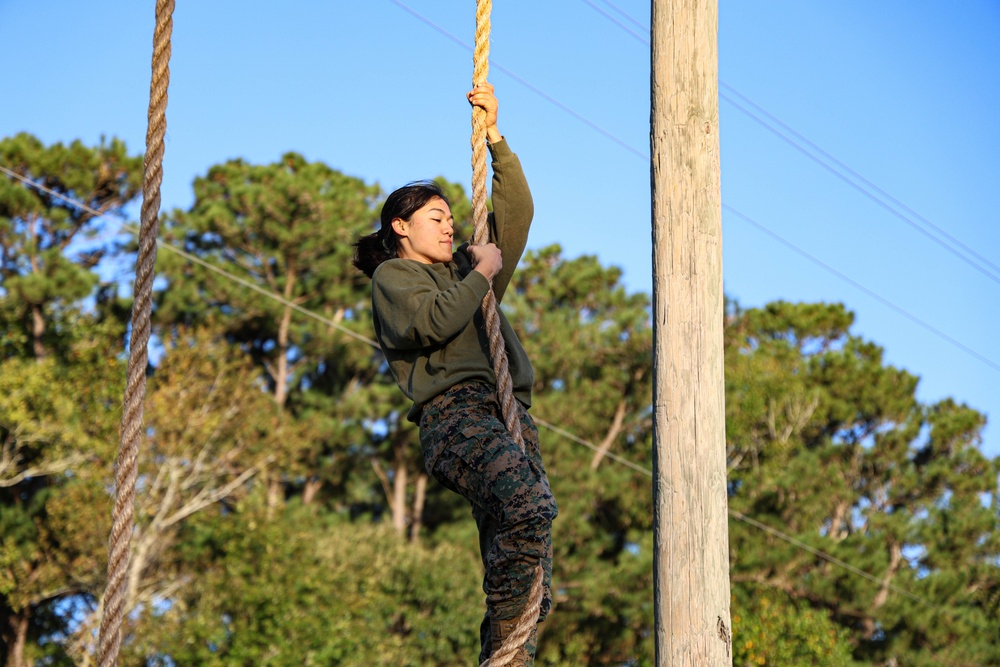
pixel 468 449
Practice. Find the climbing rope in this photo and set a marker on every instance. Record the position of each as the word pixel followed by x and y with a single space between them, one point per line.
pixel 528 619
pixel 523 631
pixel 115 594
pixel 498 353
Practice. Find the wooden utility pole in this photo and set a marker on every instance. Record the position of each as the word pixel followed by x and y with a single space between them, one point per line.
pixel 691 538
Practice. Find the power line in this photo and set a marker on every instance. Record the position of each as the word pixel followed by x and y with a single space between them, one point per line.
pixel 856 175
pixel 829 162
pixel 548 98
pixel 541 422
pixel 197 260
pixel 586 443
pixel 840 563
pixel 866 187
pixel 866 190
pixel 950 340
pixel 889 304
pixel 767 529
pixel 886 302
pixel 621 11
pixel 641 38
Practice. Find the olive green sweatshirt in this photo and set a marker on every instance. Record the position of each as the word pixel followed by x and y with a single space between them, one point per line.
pixel 428 317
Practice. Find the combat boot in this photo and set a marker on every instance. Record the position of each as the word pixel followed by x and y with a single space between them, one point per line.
pixel 500 630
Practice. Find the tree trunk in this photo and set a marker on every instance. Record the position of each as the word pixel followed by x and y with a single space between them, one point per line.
pixel 895 560
pixel 281 374
pixel 37 330
pixel 281 370
pixel 311 489
pixel 691 538
pixel 19 624
pixel 419 498
pixel 838 521
pixel 609 439
pixel 37 314
pixel 399 491
pixel 275 491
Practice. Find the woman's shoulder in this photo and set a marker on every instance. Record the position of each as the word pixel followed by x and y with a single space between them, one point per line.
pixel 393 264
pixel 396 265
pixel 397 268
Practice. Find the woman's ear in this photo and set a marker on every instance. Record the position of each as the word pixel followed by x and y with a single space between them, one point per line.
pixel 399 226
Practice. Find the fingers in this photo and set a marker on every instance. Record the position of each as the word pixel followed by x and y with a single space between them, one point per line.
pixel 480 252
pixel 486 259
pixel 485 88
pixel 483 96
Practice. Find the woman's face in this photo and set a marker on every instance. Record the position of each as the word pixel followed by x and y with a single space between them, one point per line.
pixel 427 236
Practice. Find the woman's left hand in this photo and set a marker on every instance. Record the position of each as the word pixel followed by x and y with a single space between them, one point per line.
pixel 482 96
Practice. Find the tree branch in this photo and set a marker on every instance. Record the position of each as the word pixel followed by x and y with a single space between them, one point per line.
pixel 613 432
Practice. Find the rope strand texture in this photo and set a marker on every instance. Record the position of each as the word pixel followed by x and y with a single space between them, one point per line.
pixel 498 353
pixel 522 631
pixel 115 595
pixel 528 618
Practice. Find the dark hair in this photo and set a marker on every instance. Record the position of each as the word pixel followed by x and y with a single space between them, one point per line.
pixel 373 249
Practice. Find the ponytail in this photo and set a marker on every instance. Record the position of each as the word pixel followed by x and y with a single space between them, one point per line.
pixel 372 250
pixel 375 248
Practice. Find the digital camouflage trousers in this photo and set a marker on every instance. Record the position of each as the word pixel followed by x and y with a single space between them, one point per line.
pixel 467 448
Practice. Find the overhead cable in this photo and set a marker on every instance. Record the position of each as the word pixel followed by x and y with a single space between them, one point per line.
pixel 541 422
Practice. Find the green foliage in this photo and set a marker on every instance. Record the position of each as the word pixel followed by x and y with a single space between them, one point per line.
pixel 771 629
pixel 45 256
pixel 288 228
pixel 302 589
pixel 58 426
pixel 281 517
pixel 829 445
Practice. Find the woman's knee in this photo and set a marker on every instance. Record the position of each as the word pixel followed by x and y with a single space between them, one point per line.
pixel 537 508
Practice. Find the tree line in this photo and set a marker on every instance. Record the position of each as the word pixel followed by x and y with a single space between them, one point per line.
pixel 283 516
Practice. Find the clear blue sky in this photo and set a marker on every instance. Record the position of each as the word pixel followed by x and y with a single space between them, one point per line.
pixel 905 93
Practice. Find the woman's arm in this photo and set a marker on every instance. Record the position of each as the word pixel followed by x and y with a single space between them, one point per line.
pixel 513 210
pixel 513 207
pixel 414 312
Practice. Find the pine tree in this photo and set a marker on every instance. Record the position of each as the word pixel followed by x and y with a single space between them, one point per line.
pixel 46 255
pixel 829 445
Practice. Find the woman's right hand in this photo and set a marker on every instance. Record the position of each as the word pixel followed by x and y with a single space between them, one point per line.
pixel 486 259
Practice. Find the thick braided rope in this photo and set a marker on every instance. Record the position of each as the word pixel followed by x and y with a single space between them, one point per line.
pixel 525 625
pixel 498 353
pixel 135 389
pixel 528 618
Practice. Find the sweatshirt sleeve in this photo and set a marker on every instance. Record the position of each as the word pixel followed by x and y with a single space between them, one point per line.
pixel 513 209
pixel 413 312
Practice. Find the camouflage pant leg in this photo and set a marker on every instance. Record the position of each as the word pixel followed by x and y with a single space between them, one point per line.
pixel 467 449
pixel 487 531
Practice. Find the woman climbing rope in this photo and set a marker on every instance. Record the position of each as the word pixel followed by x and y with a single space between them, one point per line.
pixel 426 301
